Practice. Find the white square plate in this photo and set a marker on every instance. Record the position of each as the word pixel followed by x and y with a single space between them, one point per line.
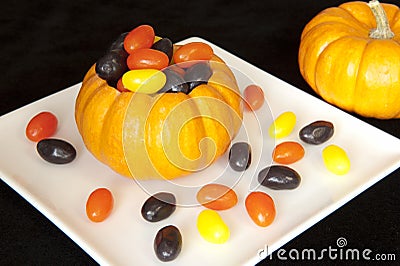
pixel 60 191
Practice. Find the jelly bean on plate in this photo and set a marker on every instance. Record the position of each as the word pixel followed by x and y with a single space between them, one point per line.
pixel 168 243
pixel 42 125
pixel 240 156
pixel 336 159
pixel 99 204
pixel 217 197
pixel 261 208
pixel 212 228
pixel 56 151
pixel 146 58
pixel 254 97
pixel 317 132
pixel 158 207
pixel 164 45
pixel 144 80
pixel 279 177
pixel 283 125
pixel 140 37
pixel 288 152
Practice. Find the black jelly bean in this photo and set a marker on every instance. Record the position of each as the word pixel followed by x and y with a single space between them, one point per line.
pixel 198 74
pixel 168 243
pixel 240 156
pixel 56 151
pixel 317 132
pixel 118 43
pixel 112 65
pixel 164 45
pixel 279 177
pixel 174 83
pixel 158 207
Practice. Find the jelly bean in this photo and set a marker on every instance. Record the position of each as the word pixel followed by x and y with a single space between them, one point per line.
pixel 120 86
pixel 42 125
pixel 279 177
pixel 283 125
pixel 288 152
pixel 336 159
pixel 140 37
pixel 158 207
pixel 56 151
pixel 217 197
pixel 317 132
pixel 174 82
pixel 168 243
pixel 211 227
pixel 99 204
pixel 254 97
pixel 193 51
pixel 240 156
pixel 118 44
pixel 197 74
pixel 147 59
pixel 261 208
pixel 164 45
pixel 112 66
pixel 144 80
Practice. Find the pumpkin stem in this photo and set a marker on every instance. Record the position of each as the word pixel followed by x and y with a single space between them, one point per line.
pixel 382 30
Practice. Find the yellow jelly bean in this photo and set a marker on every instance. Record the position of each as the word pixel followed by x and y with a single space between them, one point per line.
pixel 212 228
pixel 283 125
pixel 336 160
pixel 144 80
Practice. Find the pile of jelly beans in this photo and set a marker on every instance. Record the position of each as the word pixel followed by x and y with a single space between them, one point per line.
pixel 139 61
pixel 40 129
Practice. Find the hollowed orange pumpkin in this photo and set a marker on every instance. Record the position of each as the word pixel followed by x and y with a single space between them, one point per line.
pixel 163 135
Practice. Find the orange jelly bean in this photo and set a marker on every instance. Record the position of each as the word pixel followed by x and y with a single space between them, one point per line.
pixel 99 205
pixel 288 152
pixel 217 197
pixel 254 97
pixel 261 208
pixel 147 58
pixel 193 51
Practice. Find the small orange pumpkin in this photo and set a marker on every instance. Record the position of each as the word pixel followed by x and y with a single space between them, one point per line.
pixel 350 56
pixel 164 135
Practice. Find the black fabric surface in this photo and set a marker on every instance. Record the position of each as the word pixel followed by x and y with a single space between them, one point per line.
pixel 46 46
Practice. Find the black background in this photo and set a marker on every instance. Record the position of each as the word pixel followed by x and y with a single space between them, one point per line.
pixel 46 46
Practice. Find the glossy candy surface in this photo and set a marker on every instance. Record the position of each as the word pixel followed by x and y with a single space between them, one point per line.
pixel 146 58
pixel 283 125
pixel 42 125
pixel 99 204
pixel 211 227
pixel 174 82
pixel 217 197
pixel 158 207
pixel 193 51
pixel 168 243
pixel 56 151
pixel 118 43
pixel 317 132
pixel 336 159
pixel 144 80
pixel 197 74
pixel 240 156
pixel 261 208
pixel 112 66
pixel 254 97
pixel 288 152
pixel 140 37
pixel 164 45
pixel 279 177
